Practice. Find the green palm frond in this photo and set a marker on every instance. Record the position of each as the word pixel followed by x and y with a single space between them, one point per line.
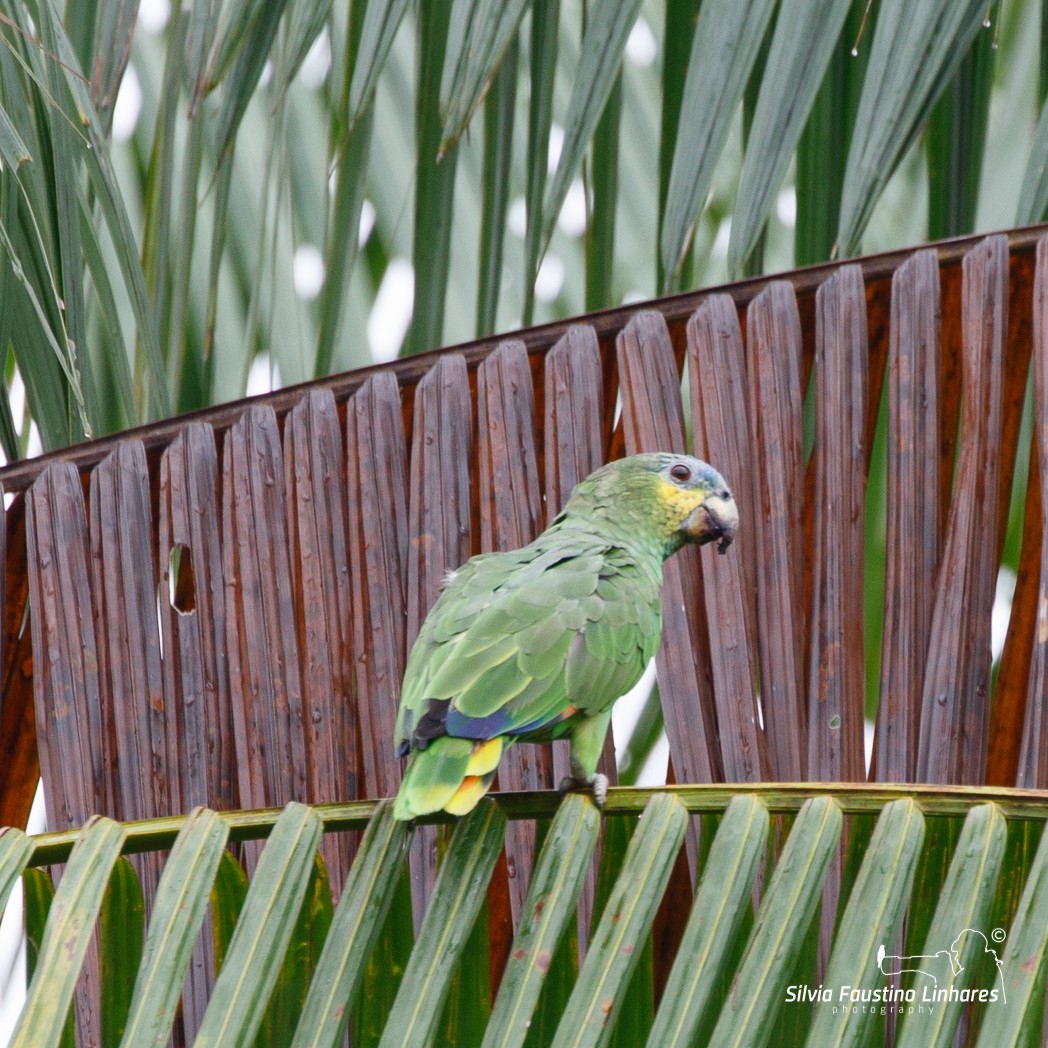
pixel 145 264
pixel 745 971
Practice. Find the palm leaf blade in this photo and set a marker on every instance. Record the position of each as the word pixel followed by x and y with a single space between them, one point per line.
pixel 70 923
pixel 724 49
pixel 178 912
pixel 498 154
pixel 1033 195
pixel 13 150
pixel 872 917
pixel 478 38
pixel 365 901
pixel 599 60
pixel 545 23
pixel 724 895
pixel 39 893
pixel 15 850
pixel 252 964
pixel 626 920
pixel 106 187
pixel 1025 961
pixel 382 19
pixel 916 48
pixel 457 898
pixel 434 189
pixel 121 926
pixel 782 924
pixel 956 142
pixel 555 885
pixel 801 48
pixel 964 903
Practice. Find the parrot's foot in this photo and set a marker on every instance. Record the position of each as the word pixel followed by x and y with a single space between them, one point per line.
pixel 598 786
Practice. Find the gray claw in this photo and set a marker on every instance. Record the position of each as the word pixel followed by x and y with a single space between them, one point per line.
pixel 597 786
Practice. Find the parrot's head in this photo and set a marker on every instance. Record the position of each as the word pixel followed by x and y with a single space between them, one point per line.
pixel 679 499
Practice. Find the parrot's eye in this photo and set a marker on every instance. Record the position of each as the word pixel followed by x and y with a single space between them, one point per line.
pixel 724 493
pixel 680 472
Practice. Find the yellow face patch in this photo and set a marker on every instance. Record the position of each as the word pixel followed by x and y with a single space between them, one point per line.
pixel 679 502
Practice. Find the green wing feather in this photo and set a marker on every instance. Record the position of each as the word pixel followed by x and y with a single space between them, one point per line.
pixel 518 638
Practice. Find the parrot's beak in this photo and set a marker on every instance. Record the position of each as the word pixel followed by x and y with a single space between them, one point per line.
pixel 716 518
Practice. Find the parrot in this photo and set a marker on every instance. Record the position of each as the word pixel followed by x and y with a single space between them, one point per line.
pixel 537 643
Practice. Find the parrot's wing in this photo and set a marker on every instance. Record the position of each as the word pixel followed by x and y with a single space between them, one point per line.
pixel 517 641
pixel 613 649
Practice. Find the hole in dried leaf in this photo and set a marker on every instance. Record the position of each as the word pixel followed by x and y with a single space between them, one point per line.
pixel 181 581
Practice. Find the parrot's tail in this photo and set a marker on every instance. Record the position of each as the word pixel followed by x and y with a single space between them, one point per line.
pixel 449 774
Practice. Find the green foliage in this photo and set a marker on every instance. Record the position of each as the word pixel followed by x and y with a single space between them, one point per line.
pixel 178 912
pixel 627 916
pixel 873 916
pixel 147 260
pixel 264 929
pixel 457 899
pixel 366 898
pixel 786 911
pixel 731 976
pixel 713 932
pixel 38 894
pixel 964 902
pixel 121 929
pixel 70 923
pixel 552 894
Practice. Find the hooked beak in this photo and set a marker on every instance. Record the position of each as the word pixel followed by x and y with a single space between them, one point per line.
pixel 716 518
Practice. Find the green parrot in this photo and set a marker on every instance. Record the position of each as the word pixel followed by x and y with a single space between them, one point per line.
pixel 537 643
